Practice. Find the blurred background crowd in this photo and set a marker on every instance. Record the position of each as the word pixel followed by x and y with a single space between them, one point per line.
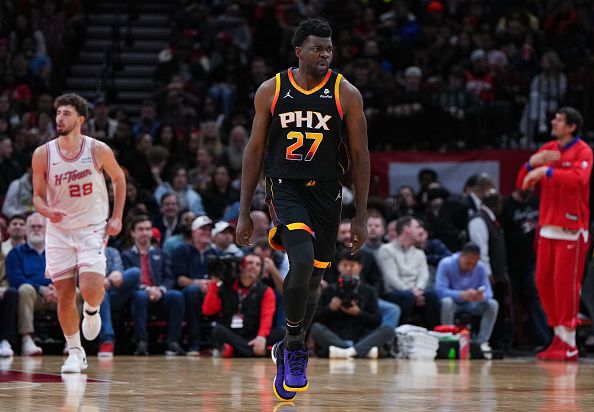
pixel 435 75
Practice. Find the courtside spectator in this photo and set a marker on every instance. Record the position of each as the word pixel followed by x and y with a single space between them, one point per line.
pixel 223 240
pixel 25 268
pixel 119 285
pixel 157 288
pixel 462 284
pixel 8 314
pixel 406 274
pixel 190 269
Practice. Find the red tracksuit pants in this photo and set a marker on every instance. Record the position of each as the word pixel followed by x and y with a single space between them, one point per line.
pixel 559 272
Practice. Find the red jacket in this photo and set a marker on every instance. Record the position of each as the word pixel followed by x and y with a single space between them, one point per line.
pixel 565 190
pixel 213 305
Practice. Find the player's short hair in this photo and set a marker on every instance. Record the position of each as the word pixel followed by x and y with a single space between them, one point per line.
pixel 572 116
pixel 79 103
pixel 311 27
pixel 471 248
pixel 139 219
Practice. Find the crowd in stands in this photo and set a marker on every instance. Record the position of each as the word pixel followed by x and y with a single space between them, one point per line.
pixel 191 275
pixel 434 75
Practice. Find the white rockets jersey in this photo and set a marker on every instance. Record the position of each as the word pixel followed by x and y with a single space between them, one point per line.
pixel 76 186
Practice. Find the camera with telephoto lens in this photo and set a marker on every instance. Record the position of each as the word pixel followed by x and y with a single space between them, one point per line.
pixel 347 284
pixel 224 267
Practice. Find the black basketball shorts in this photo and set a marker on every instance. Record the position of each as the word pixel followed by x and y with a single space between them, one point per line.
pixel 311 205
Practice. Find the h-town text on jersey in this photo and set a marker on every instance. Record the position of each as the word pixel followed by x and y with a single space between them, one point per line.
pixel 71 176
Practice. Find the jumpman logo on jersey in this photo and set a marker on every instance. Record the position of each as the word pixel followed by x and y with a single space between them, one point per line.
pixel 288 94
pixel 338 196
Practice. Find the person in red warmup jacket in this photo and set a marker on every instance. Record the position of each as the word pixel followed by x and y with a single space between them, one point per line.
pixel 562 167
pixel 245 307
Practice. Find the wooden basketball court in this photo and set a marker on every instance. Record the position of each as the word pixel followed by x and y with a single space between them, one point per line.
pixel 213 384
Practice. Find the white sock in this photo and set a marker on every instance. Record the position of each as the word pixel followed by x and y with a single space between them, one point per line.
pixel 73 341
pixel 89 308
pixel 566 334
pixel 27 338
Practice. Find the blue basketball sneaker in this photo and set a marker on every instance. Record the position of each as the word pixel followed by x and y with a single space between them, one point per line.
pixel 277 386
pixel 295 370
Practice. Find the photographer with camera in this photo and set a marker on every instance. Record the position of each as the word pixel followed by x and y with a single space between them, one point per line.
pixel 245 306
pixel 348 318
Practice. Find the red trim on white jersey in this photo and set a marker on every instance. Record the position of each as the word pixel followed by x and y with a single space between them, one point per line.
pixel 97 168
pixel 75 158
pixel 47 166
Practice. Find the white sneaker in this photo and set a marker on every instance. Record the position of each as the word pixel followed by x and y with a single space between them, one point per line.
pixel 340 353
pixel 91 324
pixel 373 353
pixel 76 362
pixel 29 348
pixel 5 349
pixel 486 349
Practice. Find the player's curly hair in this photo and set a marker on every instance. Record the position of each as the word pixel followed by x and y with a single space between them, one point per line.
pixel 311 27
pixel 79 103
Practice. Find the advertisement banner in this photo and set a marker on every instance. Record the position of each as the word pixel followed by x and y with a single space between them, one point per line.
pixel 389 171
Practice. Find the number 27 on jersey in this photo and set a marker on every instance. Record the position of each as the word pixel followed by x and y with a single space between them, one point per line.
pixel 298 136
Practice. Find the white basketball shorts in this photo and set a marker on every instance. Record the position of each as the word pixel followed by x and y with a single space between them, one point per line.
pixel 68 252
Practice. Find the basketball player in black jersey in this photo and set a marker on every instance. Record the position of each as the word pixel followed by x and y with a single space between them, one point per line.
pixel 297 135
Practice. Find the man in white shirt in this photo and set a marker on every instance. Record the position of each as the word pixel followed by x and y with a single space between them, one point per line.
pixel 406 273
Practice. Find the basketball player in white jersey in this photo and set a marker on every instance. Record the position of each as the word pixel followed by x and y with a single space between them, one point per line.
pixel 69 189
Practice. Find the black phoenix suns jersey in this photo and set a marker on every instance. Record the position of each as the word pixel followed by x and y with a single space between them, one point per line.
pixel 305 135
